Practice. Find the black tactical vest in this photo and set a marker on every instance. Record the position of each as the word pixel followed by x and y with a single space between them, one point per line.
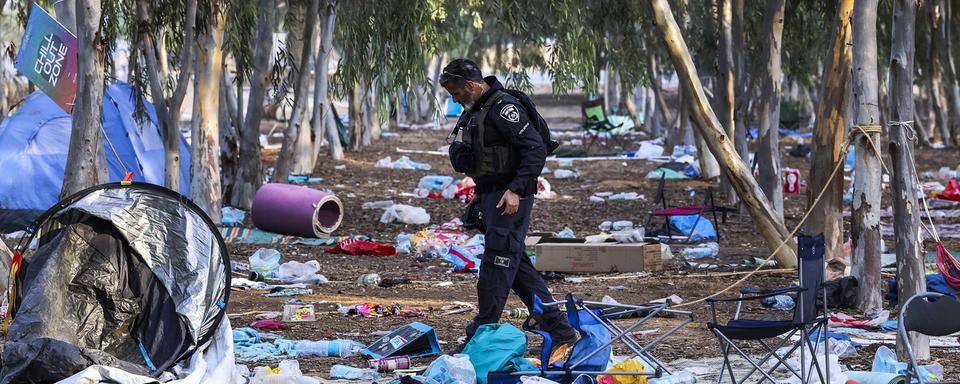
pixel 489 160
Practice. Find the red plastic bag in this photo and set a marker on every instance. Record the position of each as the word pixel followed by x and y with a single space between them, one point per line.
pixel 362 247
pixel 952 192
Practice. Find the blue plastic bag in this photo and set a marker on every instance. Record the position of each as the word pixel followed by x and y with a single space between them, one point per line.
pixel 704 230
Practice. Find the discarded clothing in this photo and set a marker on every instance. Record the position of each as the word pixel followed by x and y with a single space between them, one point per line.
pixel 376 310
pixel 362 247
pixel 402 163
pixel 935 283
pixel 232 217
pixel 269 325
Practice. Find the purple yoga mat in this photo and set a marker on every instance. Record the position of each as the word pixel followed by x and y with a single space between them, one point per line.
pixel 295 210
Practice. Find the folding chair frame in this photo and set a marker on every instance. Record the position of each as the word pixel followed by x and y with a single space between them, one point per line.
pixel 818 325
pixel 707 206
pixel 608 313
pixel 913 370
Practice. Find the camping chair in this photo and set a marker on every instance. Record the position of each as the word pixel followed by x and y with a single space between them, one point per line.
pixel 806 320
pixel 931 314
pixel 596 322
pixel 596 124
pixel 662 209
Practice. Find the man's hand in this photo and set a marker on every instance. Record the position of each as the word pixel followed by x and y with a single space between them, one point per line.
pixel 510 203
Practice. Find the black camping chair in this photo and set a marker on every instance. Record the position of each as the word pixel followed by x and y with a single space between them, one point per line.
pixel 931 314
pixel 807 321
pixel 596 124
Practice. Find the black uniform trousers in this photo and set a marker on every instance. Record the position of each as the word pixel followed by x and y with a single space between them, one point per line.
pixel 505 265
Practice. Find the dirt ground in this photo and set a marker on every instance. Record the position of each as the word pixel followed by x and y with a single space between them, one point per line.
pixel 361 182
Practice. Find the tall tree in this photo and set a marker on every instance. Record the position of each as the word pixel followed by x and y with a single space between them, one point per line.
pixel 829 131
pixel 285 160
pixel 250 171
pixel 322 107
pixel 865 233
pixel 911 279
pixel 949 71
pixel 937 88
pixel 167 107
pixel 66 14
pixel 86 165
pixel 771 228
pixel 742 83
pixel 205 186
pixel 768 154
pixel 727 85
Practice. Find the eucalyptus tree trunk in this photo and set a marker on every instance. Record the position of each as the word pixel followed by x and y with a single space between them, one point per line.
pixel 205 188
pixel 168 109
pixel 742 83
pixel 437 88
pixel 768 153
pixel 946 61
pixel 911 279
pixel 355 100
pixel 769 226
pixel 630 105
pixel 727 86
pixel 250 171
pixel 656 83
pixel 321 104
pixel 865 232
pixel 940 108
pixel 86 165
pixel 829 132
pixel 285 159
pixel 229 135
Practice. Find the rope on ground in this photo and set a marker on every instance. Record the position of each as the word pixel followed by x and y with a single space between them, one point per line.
pixel 784 241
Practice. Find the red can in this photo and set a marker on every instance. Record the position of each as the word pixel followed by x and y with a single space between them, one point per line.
pixel 390 363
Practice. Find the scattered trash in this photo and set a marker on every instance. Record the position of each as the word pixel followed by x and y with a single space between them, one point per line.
pixel 544 190
pixel 457 307
pixel 297 272
pixel 443 284
pixel 635 235
pixel 390 363
pixel 287 372
pixel 710 249
pixel 456 369
pixel 284 292
pixel 779 302
pixel 403 162
pixel 362 247
pixel 352 373
pixel 596 199
pixel 518 313
pixel 617 287
pixel 629 365
pixel 886 361
pixel 415 340
pixel 672 299
pixel 304 179
pixel 382 204
pixel 791 181
pixel 616 225
pixel 299 312
pixel 626 196
pixel 564 174
pixel 266 261
pixel 405 214
pixel 566 233
pixel 232 217
pixel 296 210
pixel 376 310
pixel 328 348
pixel 369 280
pixel 340 167
pixel 946 173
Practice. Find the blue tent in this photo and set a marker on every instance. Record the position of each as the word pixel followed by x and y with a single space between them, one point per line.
pixel 33 152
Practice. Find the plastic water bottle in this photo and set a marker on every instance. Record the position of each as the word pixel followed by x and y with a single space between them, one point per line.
pixel 266 262
pixel 328 348
pixel 701 251
pixel 352 373
pixel 682 377
pixel 518 313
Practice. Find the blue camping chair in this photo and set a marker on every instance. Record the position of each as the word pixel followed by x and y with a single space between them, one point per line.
pixel 597 324
pixel 807 320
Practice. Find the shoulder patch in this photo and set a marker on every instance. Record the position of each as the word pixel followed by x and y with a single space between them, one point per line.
pixel 510 113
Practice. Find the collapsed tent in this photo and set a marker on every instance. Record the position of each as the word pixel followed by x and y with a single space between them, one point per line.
pixel 134 277
pixel 35 140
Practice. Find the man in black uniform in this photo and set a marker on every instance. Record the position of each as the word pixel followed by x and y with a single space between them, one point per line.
pixel 504 153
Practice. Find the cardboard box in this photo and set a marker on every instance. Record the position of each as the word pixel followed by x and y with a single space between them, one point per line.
pixel 599 257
